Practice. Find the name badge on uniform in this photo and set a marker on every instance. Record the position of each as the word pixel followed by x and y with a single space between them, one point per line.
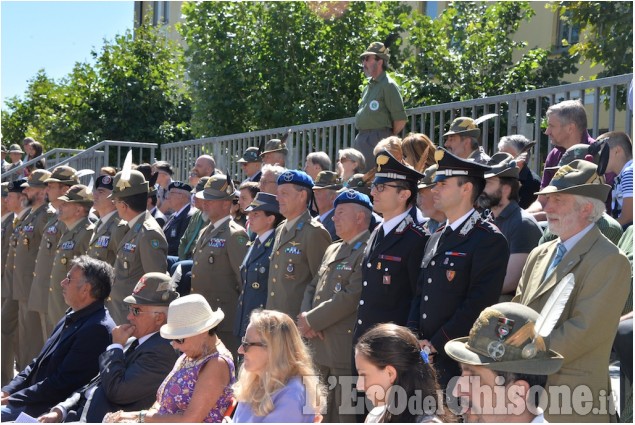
pixel 28 228
pixel 102 241
pixel 67 245
pixel 129 247
pixel 51 230
pixel 173 233
pixel 292 250
pixel 216 243
pixel 344 266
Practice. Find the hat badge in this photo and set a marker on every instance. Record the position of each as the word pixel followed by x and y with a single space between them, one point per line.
pixel 496 349
pixel 438 155
pixel 288 176
pixel 139 286
pixel 350 194
pixel 381 160
pixel 106 179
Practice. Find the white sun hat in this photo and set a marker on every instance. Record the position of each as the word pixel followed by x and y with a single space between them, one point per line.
pixel 190 315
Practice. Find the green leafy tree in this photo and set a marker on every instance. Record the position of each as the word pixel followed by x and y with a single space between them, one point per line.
pixel 606 30
pixel 467 53
pixel 133 91
pixel 259 65
pixel 140 95
pixel 36 114
pixel 256 65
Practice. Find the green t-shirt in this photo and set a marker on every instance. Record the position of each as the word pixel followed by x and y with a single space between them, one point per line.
pixel 381 104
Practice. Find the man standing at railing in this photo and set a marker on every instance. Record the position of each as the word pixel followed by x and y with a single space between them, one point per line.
pixel 381 112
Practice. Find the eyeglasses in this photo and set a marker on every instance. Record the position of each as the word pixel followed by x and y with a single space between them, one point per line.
pixel 137 311
pixel 380 187
pixel 246 345
pixel 343 160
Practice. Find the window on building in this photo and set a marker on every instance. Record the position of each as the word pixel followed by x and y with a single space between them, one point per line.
pixel 568 33
pixel 431 9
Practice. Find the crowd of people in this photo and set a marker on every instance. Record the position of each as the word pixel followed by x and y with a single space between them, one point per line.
pixel 400 284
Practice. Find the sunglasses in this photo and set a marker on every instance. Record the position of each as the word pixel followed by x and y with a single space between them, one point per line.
pixel 179 341
pixel 137 311
pixel 246 345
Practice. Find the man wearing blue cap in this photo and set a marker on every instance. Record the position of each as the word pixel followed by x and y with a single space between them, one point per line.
pixel 177 200
pixel 464 265
pixel 329 308
pixel 299 246
pixel 392 257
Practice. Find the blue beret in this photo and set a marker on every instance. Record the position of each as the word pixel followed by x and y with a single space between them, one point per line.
pixel 180 185
pixel 351 196
pixel 296 177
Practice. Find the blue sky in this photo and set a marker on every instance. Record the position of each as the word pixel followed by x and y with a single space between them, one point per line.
pixel 54 35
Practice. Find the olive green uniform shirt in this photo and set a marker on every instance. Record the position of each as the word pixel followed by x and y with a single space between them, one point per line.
pixel 217 257
pixel 142 250
pixel 72 243
pixel 38 298
pixel 26 251
pixel 331 301
pixel 380 105
pixel 105 239
pixel 295 260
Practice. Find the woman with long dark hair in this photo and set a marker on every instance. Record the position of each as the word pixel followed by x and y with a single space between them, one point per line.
pixel 392 371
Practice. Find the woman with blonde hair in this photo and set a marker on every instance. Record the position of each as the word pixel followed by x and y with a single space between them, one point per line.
pixel 277 382
pixel 418 151
pixel 393 145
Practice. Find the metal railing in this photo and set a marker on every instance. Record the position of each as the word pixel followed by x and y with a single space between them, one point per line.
pixel 105 153
pixel 519 113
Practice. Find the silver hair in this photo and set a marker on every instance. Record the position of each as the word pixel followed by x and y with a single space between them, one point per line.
pixel 353 155
pixel 598 206
pixel 570 111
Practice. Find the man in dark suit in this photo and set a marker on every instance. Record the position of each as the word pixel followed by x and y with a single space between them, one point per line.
pixel 464 265
pixel 69 358
pixel 127 380
pixel 178 200
pixel 391 260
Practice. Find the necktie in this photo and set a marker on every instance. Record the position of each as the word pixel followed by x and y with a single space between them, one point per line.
pixel 132 347
pixel 560 251
pixel 379 237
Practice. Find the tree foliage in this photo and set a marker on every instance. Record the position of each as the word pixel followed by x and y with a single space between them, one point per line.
pixel 256 65
pixel 468 52
pixel 606 30
pixel 133 91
